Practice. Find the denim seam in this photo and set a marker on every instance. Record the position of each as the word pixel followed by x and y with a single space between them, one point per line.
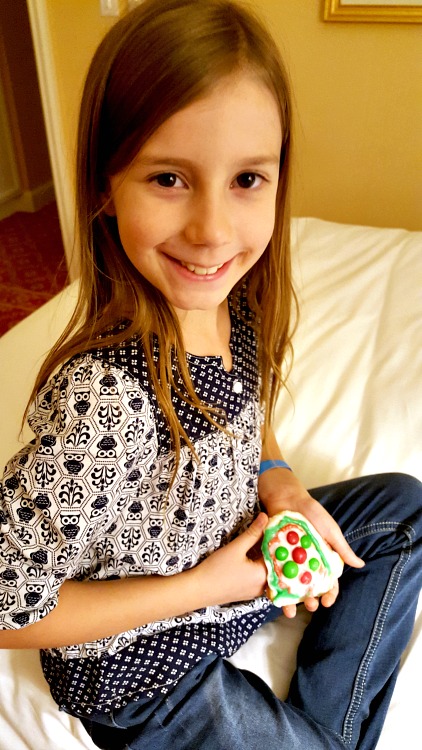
pixel 383 611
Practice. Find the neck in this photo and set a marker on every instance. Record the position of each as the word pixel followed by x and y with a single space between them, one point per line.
pixel 207 332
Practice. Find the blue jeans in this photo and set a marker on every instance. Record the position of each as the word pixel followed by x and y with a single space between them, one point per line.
pixel 347 662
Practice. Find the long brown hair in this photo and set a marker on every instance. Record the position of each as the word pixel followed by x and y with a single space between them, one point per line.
pixel 157 59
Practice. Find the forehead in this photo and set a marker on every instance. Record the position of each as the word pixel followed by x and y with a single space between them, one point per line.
pixel 239 116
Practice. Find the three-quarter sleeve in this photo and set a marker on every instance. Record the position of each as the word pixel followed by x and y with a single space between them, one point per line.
pixel 61 491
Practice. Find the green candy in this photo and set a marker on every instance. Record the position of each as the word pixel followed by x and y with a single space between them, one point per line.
pixel 306 541
pixel 281 553
pixel 290 569
pixel 313 563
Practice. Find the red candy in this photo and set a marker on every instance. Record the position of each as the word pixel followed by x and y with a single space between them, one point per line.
pixel 292 537
pixel 306 577
pixel 299 555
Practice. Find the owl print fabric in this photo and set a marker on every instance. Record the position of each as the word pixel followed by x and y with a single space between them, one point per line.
pixel 89 499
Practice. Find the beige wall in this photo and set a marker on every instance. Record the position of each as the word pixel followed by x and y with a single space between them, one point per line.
pixel 76 28
pixel 358 100
pixel 358 93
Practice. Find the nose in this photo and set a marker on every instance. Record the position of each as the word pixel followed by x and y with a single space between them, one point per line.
pixel 209 223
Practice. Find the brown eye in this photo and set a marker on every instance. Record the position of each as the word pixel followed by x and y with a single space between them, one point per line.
pixel 247 180
pixel 166 179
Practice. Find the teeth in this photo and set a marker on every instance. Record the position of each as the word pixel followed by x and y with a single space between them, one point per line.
pixel 200 270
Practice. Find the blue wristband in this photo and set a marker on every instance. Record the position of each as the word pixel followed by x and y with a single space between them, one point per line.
pixel 273 464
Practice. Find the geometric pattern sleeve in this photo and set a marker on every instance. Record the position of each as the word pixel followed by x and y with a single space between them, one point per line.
pixel 92 423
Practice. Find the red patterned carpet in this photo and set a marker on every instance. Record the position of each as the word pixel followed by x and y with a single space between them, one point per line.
pixel 32 264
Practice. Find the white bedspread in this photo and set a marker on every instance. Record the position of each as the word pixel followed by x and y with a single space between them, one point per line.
pixel 354 407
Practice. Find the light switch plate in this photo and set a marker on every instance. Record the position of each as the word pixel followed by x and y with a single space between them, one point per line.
pixel 113 7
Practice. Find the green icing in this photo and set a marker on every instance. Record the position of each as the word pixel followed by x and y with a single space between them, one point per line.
pixel 283 594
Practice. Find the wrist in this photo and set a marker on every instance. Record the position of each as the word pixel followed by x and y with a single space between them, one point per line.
pixel 195 587
pixel 281 490
pixel 276 463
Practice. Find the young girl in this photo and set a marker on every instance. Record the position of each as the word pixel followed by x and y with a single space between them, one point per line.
pixel 129 526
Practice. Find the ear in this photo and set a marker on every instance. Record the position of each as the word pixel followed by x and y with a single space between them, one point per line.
pixel 107 201
pixel 108 204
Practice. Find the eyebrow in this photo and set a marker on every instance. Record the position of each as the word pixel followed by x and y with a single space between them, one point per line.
pixel 254 161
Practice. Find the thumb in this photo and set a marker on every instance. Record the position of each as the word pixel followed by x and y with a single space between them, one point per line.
pixel 349 557
pixel 254 532
pixel 341 546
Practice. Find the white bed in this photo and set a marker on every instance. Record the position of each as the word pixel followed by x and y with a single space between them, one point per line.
pixel 355 407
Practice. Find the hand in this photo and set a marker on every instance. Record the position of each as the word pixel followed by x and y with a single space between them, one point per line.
pixel 229 574
pixel 281 490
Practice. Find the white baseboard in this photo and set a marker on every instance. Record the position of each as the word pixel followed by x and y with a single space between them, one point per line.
pixel 29 200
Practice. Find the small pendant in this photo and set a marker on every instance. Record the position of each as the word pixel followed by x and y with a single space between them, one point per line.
pixel 237 386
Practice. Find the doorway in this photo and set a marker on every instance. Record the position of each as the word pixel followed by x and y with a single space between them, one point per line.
pixel 32 257
pixel 27 183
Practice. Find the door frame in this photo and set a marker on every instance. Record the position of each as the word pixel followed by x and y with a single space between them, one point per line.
pixel 63 183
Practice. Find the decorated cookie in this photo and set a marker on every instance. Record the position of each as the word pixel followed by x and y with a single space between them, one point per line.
pixel 299 562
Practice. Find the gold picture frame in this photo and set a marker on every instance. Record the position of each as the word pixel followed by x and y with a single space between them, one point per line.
pixel 370 12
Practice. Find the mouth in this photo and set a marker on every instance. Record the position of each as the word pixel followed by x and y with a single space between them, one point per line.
pixel 201 270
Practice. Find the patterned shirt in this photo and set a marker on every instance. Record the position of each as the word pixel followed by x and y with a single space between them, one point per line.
pixel 89 498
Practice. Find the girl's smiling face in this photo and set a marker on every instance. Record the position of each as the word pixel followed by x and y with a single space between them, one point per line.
pixel 196 208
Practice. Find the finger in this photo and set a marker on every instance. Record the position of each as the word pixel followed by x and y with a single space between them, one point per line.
pixel 289 611
pixel 345 551
pixel 331 532
pixel 328 599
pixel 311 603
pixel 253 533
